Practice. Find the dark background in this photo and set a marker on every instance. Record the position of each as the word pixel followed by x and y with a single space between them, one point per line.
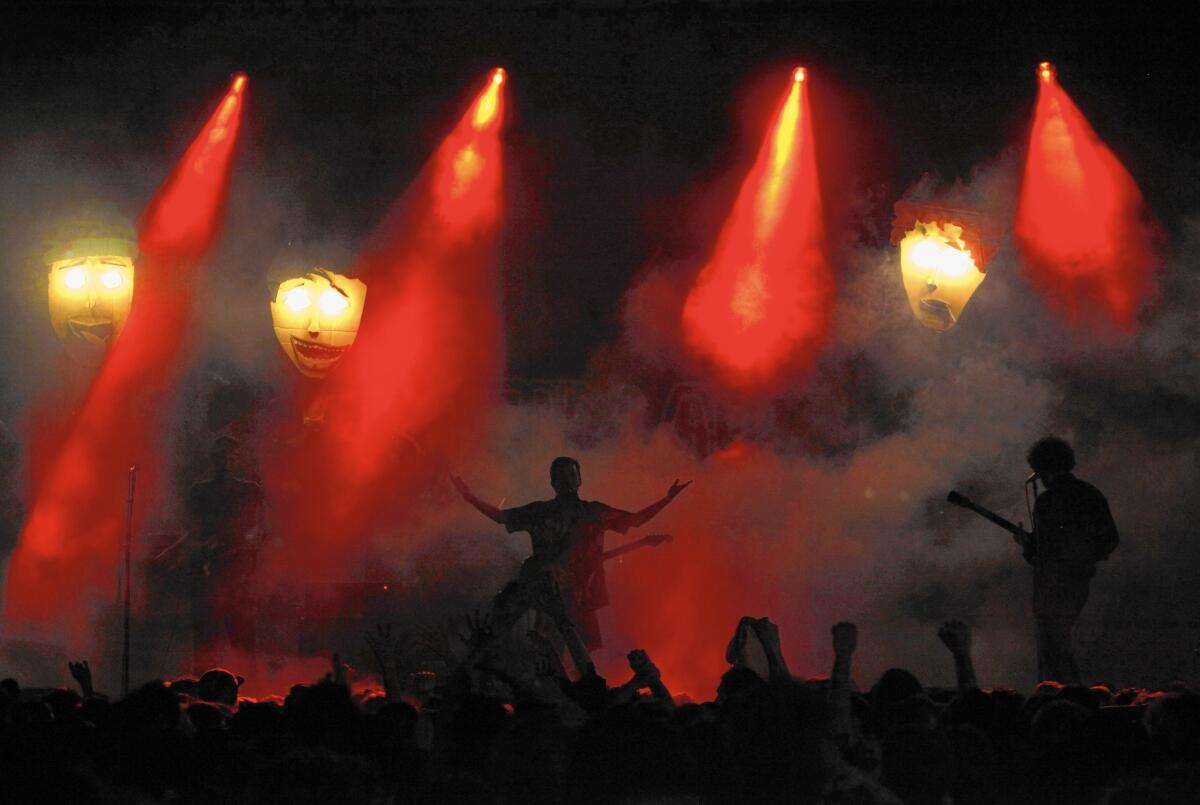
pixel 620 111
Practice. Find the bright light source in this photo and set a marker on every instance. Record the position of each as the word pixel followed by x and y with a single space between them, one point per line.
pixel 112 279
pixel 1046 70
pixel 934 254
pixel 74 278
pixel 239 82
pixel 498 75
pixel 939 273
pixel 799 74
pixel 332 302
pixel 297 299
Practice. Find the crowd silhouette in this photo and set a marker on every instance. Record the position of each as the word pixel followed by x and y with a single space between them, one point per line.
pixel 503 728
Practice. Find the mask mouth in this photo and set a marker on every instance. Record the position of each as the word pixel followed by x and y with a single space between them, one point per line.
pixel 937 313
pixel 91 330
pixel 316 355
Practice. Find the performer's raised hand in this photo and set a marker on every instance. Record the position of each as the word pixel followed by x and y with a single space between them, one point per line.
pixel 676 488
pixel 488 510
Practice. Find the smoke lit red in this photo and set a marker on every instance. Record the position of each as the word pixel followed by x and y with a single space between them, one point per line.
pixel 428 358
pixel 763 299
pixel 1081 223
pixel 67 554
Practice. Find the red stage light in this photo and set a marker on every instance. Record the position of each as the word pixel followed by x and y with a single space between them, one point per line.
pixel 427 360
pixel 67 554
pixel 1081 224
pixel 762 301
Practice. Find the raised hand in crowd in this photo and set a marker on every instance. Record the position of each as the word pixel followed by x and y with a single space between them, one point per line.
pixel 768 635
pixel 646 676
pixel 743 649
pixel 81 672
pixel 647 673
pixel 845 641
pixel 956 636
pixel 479 631
pixel 339 671
pixel 384 647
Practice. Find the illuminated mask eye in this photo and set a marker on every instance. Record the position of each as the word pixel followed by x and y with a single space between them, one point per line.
pixel 297 299
pixel 74 278
pixel 112 279
pixel 333 303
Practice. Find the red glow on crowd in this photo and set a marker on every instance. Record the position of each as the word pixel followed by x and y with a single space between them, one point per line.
pixel 67 556
pixel 762 301
pixel 682 612
pixel 1081 223
pixel 429 355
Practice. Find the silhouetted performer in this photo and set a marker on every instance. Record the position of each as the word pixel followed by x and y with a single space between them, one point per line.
pixel 567 534
pixel 1072 530
pixel 225 515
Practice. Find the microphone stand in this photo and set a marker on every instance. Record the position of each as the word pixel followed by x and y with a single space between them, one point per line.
pixel 128 580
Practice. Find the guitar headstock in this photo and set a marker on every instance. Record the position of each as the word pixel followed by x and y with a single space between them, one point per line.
pixel 657 539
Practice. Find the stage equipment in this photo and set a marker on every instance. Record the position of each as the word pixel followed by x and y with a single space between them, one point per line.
pixel 90 291
pixel 316 318
pixel 944 254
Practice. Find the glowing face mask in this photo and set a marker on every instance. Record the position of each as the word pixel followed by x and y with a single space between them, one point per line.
pixel 939 273
pixel 316 319
pixel 89 303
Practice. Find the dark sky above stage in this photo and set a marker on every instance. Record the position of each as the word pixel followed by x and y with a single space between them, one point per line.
pixel 620 110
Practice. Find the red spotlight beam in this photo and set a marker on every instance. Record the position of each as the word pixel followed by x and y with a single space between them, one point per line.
pixel 68 550
pixel 1081 226
pixel 427 361
pixel 761 303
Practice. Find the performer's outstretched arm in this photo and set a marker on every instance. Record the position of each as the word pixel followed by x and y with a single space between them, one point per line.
pixel 488 510
pixel 641 518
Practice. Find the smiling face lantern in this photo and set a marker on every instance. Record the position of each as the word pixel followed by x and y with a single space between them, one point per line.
pixel 316 318
pixel 91 289
pixel 942 260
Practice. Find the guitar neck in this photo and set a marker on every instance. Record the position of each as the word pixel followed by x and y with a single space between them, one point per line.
pixel 632 546
pixel 991 516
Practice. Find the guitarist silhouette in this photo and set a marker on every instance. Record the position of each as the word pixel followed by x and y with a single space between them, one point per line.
pixel 1072 530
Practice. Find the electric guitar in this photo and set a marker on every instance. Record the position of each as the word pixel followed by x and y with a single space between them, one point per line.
pixel 644 542
pixel 1017 531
